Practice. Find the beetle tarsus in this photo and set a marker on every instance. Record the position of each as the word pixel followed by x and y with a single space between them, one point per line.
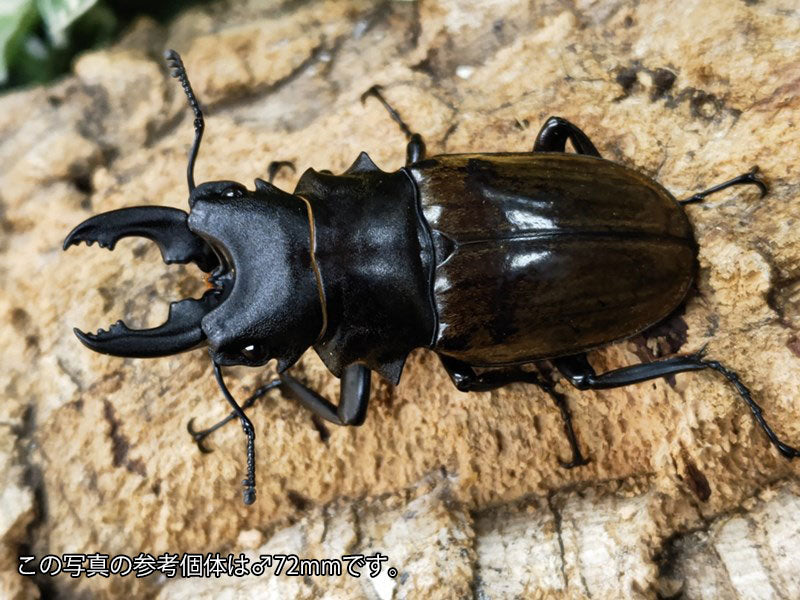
pixel 785 449
pixel 376 92
pixel 750 178
pixel 466 379
pixel 200 436
pixel 415 151
pixel 581 374
pixel 578 460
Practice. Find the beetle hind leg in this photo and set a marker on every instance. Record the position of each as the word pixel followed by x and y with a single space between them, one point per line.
pixel 466 380
pixel 581 374
pixel 555 132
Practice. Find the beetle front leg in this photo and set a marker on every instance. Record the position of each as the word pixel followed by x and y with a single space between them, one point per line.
pixel 581 374
pixel 200 436
pixel 554 134
pixel 354 391
pixel 466 380
pixel 415 151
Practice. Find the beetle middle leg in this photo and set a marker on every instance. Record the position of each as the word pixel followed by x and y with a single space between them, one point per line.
pixel 415 151
pixel 555 132
pixel 581 374
pixel 467 380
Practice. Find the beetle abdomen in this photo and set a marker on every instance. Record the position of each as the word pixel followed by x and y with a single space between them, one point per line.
pixel 548 254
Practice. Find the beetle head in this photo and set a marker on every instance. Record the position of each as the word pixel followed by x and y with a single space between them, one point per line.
pixel 270 304
pixel 264 300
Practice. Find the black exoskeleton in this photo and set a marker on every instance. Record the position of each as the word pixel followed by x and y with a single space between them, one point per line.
pixel 490 260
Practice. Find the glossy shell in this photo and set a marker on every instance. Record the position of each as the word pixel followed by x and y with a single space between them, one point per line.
pixel 539 255
pixel 375 265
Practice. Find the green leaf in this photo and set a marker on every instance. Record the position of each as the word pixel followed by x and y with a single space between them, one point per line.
pixel 58 15
pixel 16 18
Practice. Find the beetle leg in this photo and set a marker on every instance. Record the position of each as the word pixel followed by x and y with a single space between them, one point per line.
pixel 354 392
pixel 581 374
pixel 200 436
pixel 415 151
pixel 554 134
pixel 749 178
pixel 466 380
pixel 276 165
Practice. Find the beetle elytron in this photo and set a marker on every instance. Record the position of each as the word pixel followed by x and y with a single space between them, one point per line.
pixel 489 260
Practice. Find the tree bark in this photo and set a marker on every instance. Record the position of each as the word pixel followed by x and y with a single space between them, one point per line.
pixel 463 492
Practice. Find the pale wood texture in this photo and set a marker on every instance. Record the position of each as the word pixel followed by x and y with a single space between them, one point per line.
pixel 462 491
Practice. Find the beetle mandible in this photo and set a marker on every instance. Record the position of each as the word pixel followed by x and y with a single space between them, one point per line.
pixel 490 260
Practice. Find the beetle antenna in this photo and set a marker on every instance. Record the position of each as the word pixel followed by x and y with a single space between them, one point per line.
pixel 200 436
pixel 249 493
pixel 178 71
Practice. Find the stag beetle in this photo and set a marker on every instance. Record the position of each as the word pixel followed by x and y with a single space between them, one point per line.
pixel 490 260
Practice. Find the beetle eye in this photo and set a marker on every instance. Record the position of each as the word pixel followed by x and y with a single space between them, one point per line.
pixel 253 352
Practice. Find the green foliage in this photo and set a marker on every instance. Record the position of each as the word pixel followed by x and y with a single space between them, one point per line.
pixel 58 15
pixel 16 18
pixel 38 38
